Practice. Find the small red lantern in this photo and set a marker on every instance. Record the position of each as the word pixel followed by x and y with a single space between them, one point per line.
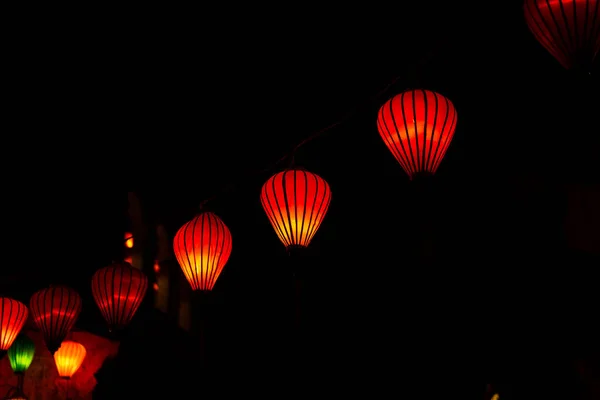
pixel 54 311
pixel 417 126
pixel 296 202
pixel 202 247
pixel 118 291
pixel 13 315
pixel 568 29
pixel 68 358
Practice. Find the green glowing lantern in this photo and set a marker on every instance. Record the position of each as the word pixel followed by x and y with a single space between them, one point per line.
pixel 21 354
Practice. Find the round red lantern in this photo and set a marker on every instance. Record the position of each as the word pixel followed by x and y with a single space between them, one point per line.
pixel 568 29
pixel 417 126
pixel 68 358
pixel 202 247
pixel 118 291
pixel 296 202
pixel 13 315
pixel 54 311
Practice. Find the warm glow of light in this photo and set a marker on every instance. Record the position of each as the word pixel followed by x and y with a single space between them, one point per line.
pixel 296 202
pixel 129 240
pixel 13 315
pixel 156 267
pixel 118 291
pixel 155 286
pixel 417 126
pixel 68 358
pixel 129 260
pixel 202 247
pixel 566 29
pixel 496 397
pixel 21 354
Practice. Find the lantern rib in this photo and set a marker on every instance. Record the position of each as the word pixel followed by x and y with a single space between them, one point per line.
pixel 430 154
pixel 382 127
pixel 11 321
pixel 406 158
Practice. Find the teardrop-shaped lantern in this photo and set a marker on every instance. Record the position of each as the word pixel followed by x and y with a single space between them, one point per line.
pixel 21 354
pixel 296 202
pixel 13 315
pixel 417 126
pixel 568 29
pixel 55 311
pixel 118 291
pixel 202 247
pixel 68 358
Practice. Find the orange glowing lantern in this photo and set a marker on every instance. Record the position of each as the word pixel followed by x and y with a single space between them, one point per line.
pixel 202 247
pixel 417 126
pixel 296 202
pixel 128 240
pixel 118 291
pixel 568 29
pixel 54 311
pixel 68 358
pixel 13 315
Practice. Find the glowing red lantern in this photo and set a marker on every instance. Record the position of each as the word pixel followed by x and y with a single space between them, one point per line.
pixel 68 358
pixel 55 311
pixel 13 315
pixel 296 202
pixel 202 247
pixel 417 126
pixel 568 29
pixel 118 291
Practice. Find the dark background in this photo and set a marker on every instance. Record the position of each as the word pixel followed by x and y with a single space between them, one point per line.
pixel 174 104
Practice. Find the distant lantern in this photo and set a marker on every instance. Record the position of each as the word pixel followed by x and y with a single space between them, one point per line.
pixel 118 291
pixel 13 315
pixel 21 354
pixel 54 311
pixel 128 240
pixel 202 247
pixel 417 126
pixel 295 202
pixel 568 29
pixel 68 358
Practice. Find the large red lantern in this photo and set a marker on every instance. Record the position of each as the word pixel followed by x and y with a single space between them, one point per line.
pixel 68 358
pixel 202 247
pixel 417 126
pixel 118 291
pixel 55 311
pixel 296 202
pixel 13 315
pixel 568 29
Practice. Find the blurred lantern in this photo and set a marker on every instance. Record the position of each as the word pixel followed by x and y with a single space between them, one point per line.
pixel 118 291
pixel 128 240
pixel 55 311
pixel 68 358
pixel 202 247
pixel 417 126
pixel 21 354
pixel 13 315
pixel 295 202
pixel 568 29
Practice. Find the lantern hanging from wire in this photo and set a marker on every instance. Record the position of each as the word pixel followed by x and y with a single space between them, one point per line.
pixel 13 315
pixel 68 358
pixel 202 247
pixel 417 126
pixel 118 291
pixel 21 354
pixel 568 29
pixel 54 311
pixel 296 202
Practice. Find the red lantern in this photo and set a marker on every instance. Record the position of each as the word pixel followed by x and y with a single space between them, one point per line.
pixel 417 126
pixel 55 311
pixel 13 315
pixel 202 247
pixel 68 358
pixel 296 202
pixel 568 29
pixel 118 291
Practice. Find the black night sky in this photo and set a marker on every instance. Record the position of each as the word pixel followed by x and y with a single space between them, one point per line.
pixel 181 108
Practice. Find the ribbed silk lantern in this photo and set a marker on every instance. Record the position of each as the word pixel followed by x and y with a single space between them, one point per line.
pixel 417 126
pixel 54 311
pixel 568 29
pixel 296 202
pixel 13 315
pixel 21 354
pixel 118 291
pixel 202 247
pixel 68 358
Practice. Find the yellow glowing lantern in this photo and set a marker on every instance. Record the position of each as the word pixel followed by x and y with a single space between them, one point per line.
pixel 69 358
